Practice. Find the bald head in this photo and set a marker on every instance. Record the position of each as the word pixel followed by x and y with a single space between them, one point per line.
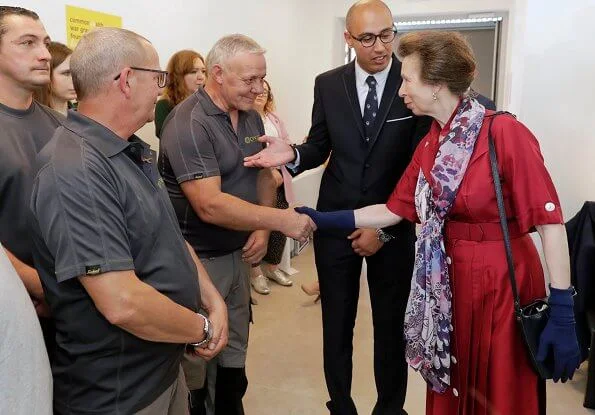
pixel 101 54
pixel 365 6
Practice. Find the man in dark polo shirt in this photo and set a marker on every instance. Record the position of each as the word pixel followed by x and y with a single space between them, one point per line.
pixel 123 285
pixel 26 127
pixel 203 143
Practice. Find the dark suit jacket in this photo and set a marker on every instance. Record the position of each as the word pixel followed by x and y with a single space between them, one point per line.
pixel 581 243
pixel 358 173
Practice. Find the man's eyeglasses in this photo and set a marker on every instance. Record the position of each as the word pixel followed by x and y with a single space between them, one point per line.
pixel 161 77
pixel 368 39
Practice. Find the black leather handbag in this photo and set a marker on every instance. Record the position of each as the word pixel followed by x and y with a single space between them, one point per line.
pixel 531 318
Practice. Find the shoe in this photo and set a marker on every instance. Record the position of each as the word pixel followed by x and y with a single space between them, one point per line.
pixel 312 289
pixel 260 284
pixel 278 277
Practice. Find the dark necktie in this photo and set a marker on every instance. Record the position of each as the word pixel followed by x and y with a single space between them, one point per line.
pixel 370 108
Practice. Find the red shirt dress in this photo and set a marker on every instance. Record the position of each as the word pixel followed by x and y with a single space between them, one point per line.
pixel 490 371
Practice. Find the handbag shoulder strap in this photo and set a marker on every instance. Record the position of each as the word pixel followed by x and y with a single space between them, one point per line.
pixel 503 218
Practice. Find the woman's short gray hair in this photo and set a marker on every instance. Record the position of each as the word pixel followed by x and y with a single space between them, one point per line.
pixel 101 54
pixel 229 46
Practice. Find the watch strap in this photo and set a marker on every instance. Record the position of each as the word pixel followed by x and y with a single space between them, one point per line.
pixel 206 330
pixel 384 236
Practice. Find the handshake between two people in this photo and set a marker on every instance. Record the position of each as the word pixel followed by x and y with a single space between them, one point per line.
pixel 298 226
pixel 279 152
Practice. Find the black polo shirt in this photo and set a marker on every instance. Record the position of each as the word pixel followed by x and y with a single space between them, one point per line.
pixel 99 205
pixel 198 141
pixel 23 134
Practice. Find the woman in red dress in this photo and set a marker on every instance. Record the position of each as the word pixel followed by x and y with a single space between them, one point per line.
pixel 460 328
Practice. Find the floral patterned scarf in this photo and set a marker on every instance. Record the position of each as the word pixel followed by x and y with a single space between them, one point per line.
pixel 428 315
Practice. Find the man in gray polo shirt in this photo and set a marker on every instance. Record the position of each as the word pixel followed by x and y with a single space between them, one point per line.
pixel 123 285
pixel 216 199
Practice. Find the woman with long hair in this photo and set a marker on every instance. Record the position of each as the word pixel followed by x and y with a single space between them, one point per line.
pixel 186 73
pixel 59 94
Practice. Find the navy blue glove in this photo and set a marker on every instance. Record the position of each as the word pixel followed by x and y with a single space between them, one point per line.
pixel 560 335
pixel 338 219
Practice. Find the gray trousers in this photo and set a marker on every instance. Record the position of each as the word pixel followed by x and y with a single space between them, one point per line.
pixel 231 277
pixel 174 401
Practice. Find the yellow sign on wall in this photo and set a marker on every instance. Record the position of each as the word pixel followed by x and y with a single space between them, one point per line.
pixel 79 21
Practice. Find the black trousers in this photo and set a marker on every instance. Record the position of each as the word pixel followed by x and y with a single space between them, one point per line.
pixel 277 239
pixel 389 274
pixel 197 401
pixel 231 386
pixel 48 328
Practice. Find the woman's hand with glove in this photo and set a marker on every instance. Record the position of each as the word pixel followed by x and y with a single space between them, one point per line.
pixel 559 335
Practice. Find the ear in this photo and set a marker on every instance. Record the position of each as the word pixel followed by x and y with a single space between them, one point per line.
pixel 124 82
pixel 217 74
pixel 348 38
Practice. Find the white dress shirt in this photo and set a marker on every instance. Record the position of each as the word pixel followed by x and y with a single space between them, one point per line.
pixel 362 86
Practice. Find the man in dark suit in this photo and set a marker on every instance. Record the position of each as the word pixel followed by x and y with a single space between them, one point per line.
pixel 358 114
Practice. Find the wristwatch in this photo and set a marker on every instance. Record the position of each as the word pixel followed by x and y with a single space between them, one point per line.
pixel 383 236
pixel 208 332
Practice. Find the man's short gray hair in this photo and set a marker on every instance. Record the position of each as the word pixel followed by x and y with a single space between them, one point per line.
pixel 229 46
pixel 101 54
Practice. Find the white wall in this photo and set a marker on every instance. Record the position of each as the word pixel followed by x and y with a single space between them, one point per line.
pixel 553 91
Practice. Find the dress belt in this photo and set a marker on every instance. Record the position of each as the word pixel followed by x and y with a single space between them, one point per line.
pixel 479 231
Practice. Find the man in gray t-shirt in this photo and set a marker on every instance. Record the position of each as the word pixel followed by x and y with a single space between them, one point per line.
pixel 222 206
pixel 26 127
pixel 23 134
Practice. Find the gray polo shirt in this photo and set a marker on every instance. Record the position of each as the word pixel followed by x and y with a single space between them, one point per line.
pixel 99 205
pixel 23 133
pixel 198 141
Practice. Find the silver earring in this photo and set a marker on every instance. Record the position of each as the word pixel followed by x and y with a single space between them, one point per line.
pixel 434 97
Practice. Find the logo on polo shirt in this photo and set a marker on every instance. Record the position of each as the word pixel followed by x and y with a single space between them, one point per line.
pixel 93 270
pixel 160 183
pixel 251 139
